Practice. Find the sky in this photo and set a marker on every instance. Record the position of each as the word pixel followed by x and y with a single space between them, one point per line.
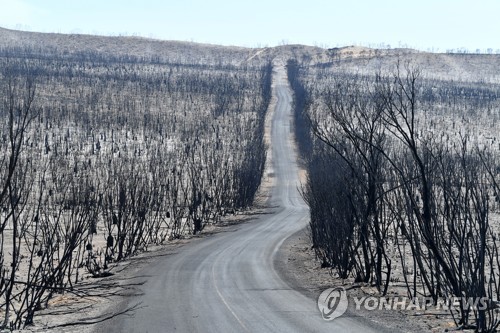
pixel 437 25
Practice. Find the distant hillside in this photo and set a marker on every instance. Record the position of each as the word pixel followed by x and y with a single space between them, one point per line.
pixel 462 67
pixel 118 46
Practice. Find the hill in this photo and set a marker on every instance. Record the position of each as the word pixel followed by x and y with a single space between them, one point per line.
pixel 461 67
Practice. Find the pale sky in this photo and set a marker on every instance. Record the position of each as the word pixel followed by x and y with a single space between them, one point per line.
pixel 422 24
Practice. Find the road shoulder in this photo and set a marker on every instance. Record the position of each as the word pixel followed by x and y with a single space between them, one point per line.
pixel 296 264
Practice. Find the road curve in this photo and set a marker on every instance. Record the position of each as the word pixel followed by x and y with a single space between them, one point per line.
pixel 227 282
